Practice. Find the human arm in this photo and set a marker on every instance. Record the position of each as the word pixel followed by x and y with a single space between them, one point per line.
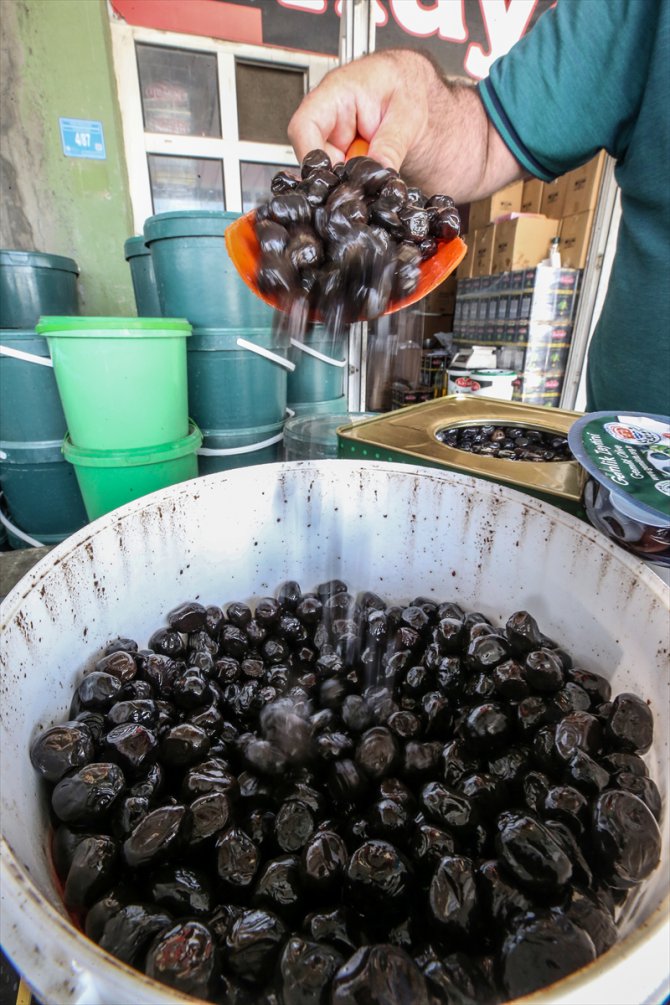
pixel 434 130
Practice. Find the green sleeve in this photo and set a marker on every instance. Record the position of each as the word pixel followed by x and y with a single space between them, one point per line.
pixel 574 84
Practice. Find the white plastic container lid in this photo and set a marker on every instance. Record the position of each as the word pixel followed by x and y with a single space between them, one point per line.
pixel 629 454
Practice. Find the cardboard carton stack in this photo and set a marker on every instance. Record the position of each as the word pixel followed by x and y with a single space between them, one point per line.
pixel 536 212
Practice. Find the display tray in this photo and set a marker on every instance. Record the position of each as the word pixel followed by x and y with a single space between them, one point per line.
pixel 409 435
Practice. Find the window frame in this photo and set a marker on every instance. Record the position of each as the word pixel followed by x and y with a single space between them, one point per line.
pixel 229 149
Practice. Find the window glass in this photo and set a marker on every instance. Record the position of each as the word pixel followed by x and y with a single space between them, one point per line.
pixel 267 97
pixel 179 91
pixel 185 183
pixel 255 182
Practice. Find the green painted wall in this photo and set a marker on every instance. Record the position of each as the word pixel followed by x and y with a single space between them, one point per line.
pixel 57 62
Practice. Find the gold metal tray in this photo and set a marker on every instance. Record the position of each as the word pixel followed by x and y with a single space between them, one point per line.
pixel 409 434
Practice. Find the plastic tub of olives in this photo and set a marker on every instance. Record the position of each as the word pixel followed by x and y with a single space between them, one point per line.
pixel 395 530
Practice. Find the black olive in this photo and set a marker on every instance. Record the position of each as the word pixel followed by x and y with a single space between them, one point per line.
pixel 187 958
pixel 60 749
pixel 541 950
pixel 284 181
pixel 253 944
pixel 157 836
pixel 86 796
pixel 626 838
pixel 306 969
pixel 373 973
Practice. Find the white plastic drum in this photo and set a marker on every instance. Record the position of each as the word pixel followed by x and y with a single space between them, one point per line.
pixel 397 529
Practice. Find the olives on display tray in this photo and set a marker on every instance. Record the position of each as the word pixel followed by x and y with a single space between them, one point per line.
pixel 327 798
pixel 510 443
pixel 344 241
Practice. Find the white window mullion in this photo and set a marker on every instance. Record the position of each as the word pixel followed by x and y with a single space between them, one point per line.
pixel 128 89
pixel 225 62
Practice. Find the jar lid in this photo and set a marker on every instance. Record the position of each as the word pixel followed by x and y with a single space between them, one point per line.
pixel 629 454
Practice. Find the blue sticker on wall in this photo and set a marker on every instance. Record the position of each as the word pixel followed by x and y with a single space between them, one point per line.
pixel 82 138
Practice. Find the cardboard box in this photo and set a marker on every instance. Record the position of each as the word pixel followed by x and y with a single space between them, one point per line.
pixel 553 198
pixel 433 323
pixel 464 270
pixel 575 235
pixel 522 242
pixel 483 250
pixel 485 211
pixel 531 198
pixel 582 186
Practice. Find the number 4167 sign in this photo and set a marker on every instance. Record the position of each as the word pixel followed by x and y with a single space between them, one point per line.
pixel 82 138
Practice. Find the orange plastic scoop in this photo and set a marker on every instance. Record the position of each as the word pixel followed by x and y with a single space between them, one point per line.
pixel 244 252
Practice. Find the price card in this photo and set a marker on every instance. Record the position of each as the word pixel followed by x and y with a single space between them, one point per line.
pixel 82 138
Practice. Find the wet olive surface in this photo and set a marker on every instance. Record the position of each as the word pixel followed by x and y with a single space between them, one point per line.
pixel 509 443
pixel 332 799
pixel 346 240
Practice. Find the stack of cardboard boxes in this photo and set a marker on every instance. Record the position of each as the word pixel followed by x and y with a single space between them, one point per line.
pixel 504 297
pixel 513 228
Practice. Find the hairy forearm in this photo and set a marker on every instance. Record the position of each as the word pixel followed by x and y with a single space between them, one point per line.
pixel 435 131
pixel 460 152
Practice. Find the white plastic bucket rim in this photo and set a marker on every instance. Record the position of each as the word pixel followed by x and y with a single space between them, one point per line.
pixel 476 541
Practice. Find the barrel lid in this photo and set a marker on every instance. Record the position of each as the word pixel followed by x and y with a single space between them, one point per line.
pixel 136 456
pixel 134 247
pixel 188 223
pixel 38 260
pixel 628 453
pixel 79 325
pixel 321 429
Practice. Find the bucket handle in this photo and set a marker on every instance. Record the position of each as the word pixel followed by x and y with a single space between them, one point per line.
pixel 6 522
pixel 248 449
pixel 318 355
pixel 28 357
pixel 272 356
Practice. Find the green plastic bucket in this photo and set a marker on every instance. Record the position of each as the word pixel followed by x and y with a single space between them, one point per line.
pixel 237 378
pixel 320 369
pixel 30 406
pixel 332 406
pixel 122 381
pixel 40 490
pixel 142 274
pixel 315 436
pixel 111 478
pixel 194 274
pixel 224 449
pixel 34 283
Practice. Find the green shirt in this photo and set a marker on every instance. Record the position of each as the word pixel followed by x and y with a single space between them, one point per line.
pixel 592 75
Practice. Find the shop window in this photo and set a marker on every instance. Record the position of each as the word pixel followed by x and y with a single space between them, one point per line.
pixel 179 183
pixel 255 180
pixel 267 97
pixel 179 91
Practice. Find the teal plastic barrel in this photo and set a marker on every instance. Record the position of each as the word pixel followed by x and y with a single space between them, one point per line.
pixel 30 406
pixel 122 381
pixel 40 489
pixel 237 378
pixel 194 274
pixel 34 283
pixel 142 274
pixel 224 449
pixel 111 478
pixel 320 368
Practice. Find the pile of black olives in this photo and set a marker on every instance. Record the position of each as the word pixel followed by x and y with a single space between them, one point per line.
pixel 509 443
pixel 330 800
pixel 346 240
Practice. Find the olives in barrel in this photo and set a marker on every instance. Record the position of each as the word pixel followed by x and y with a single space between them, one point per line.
pixel 323 798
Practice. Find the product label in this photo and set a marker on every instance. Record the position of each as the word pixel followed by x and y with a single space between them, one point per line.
pixel 632 455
